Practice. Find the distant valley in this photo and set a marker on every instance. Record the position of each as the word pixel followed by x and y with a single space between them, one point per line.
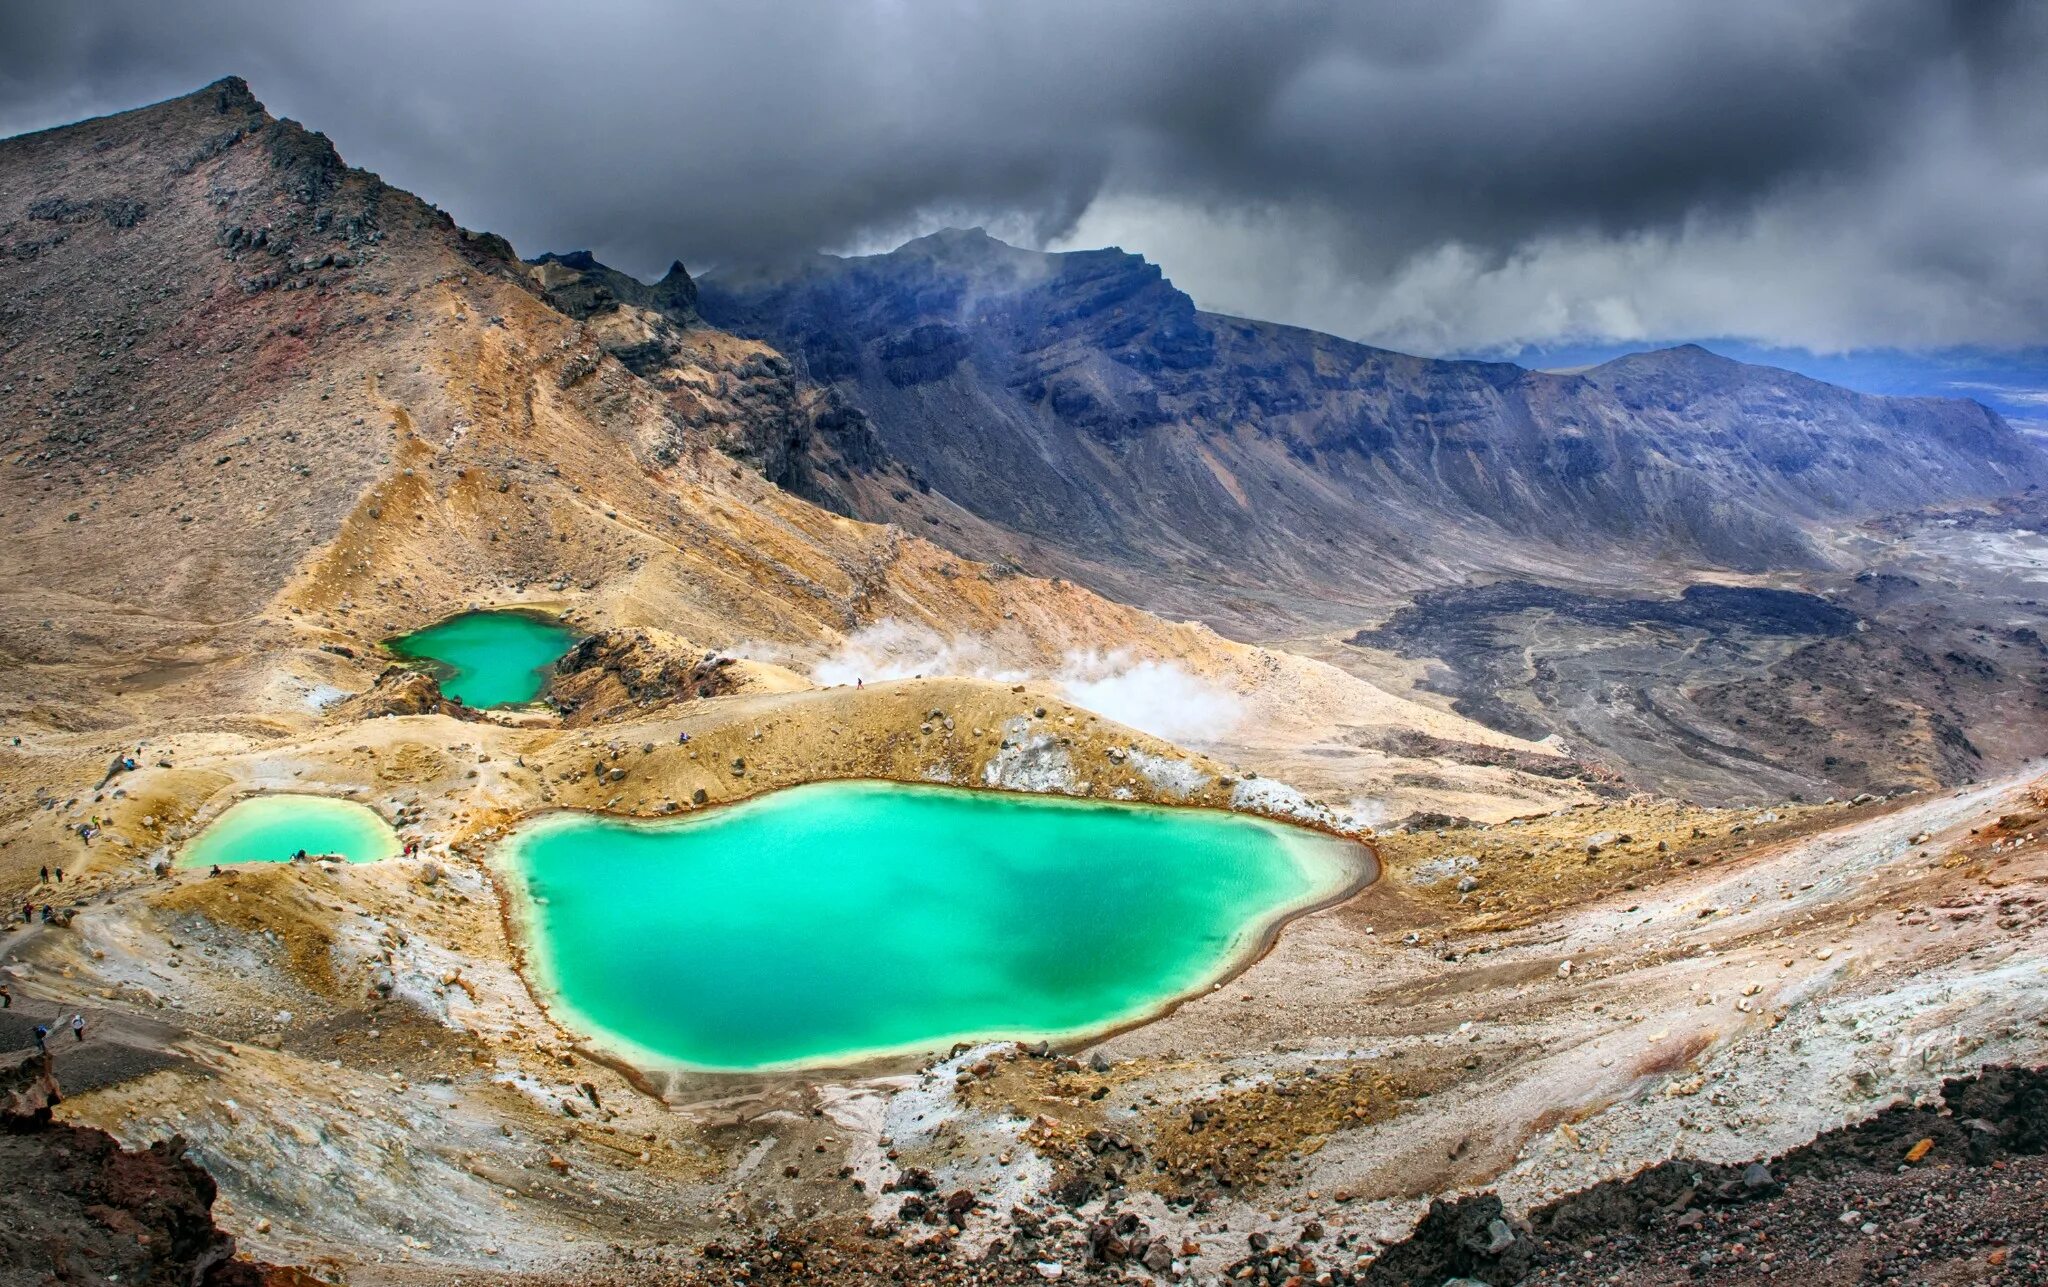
pixel 1642 759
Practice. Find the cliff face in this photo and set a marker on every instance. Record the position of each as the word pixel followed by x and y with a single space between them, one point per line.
pixel 1189 458
pixel 741 394
pixel 76 1207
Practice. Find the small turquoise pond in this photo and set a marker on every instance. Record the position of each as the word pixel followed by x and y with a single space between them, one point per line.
pixel 485 659
pixel 272 828
pixel 838 921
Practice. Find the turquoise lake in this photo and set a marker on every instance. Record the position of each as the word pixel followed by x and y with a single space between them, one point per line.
pixel 271 828
pixel 838 921
pixel 487 659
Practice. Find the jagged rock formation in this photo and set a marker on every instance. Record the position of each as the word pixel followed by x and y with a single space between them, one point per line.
pixel 742 393
pixel 28 1093
pixel 1186 459
pixel 624 671
pixel 76 1207
pixel 399 690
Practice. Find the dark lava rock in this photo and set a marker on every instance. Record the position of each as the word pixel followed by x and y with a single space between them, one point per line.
pixel 76 1207
pixel 1973 1209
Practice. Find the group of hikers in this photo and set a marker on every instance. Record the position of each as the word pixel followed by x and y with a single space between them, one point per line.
pixel 42 1030
pixel 48 875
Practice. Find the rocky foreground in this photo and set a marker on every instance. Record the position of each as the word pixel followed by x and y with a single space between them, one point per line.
pixel 1953 1189
pixel 76 1207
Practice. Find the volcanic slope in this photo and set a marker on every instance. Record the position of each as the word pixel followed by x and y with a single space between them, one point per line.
pixel 1256 474
pixel 254 401
pixel 260 410
pixel 263 410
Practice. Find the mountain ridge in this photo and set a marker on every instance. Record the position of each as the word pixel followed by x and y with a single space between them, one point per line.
pixel 287 411
pixel 1077 398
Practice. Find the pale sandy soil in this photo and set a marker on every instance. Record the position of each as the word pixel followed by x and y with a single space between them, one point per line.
pixel 428 1127
pixel 301 472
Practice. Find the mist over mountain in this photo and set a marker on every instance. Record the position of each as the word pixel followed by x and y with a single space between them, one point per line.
pixel 1598 769
pixel 1234 467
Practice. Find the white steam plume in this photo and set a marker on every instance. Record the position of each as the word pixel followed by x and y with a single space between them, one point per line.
pixel 1158 697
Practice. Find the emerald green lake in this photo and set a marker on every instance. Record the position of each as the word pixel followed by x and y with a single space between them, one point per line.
pixel 838 921
pixel 271 828
pixel 488 659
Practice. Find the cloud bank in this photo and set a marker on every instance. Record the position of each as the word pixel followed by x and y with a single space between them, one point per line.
pixel 1433 174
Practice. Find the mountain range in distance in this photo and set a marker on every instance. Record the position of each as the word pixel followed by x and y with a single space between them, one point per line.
pixel 2012 382
pixel 1257 475
pixel 1686 710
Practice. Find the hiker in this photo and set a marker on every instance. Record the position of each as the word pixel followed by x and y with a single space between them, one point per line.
pixel 45 879
pixel 46 913
pixel 300 856
pixel 60 875
pixel 78 1026
pixel 42 1039
pixel 28 913
pixel 6 998
pixel 214 872
pixel 857 684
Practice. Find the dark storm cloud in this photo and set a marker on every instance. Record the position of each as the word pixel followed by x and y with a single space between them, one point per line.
pixel 1439 172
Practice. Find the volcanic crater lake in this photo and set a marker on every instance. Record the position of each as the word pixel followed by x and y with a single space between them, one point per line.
pixel 271 828
pixel 836 922
pixel 491 658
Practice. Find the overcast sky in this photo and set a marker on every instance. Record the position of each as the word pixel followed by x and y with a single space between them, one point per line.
pixel 1435 175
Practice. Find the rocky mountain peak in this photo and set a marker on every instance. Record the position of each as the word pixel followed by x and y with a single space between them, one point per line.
pixel 580 260
pixel 1691 358
pixel 231 95
pixel 973 240
pixel 579 284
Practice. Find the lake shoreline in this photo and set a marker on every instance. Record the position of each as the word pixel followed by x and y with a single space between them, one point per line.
pixel 1353 867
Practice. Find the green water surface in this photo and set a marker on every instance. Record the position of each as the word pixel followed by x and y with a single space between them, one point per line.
pixel 271 828
pixel 489 658
pixel 842 920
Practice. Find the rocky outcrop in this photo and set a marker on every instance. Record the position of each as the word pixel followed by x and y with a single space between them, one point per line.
pixel 28 1093
pixel 1171 456
pixel 399 690
pixel 580 286
pixel 76 1207
pixel 625 670
pixel 743 396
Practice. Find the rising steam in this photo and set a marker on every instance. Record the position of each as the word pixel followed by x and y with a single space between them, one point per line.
pixel 1158 697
